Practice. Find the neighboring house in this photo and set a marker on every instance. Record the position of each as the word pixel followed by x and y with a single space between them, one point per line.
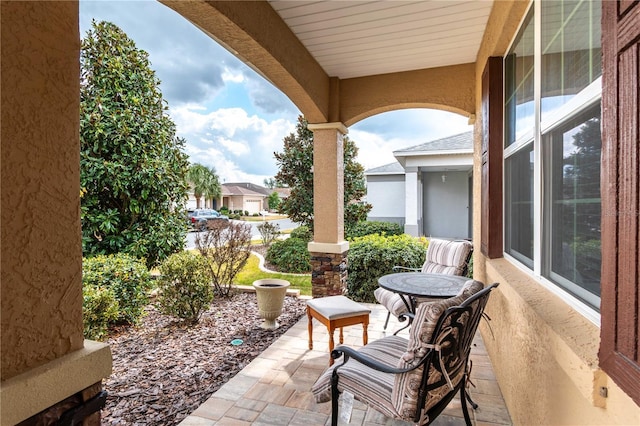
pixel 192 202
pixel 244 196
pixel 428 190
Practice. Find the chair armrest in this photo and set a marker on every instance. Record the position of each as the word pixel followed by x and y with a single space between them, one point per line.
pixel 405 316
pixel 364 359
pixel 404 268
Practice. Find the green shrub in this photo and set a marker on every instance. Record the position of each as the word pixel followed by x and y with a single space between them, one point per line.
pixel 372 256
pixel 246 212
pixel 303 233
pixel 361 229
pixel 127 276
pixel 290 255
pixel 185 286
pixel 224 210
pixel 99 308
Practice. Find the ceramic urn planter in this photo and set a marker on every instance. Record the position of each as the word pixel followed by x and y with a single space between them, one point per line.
pixel 270 294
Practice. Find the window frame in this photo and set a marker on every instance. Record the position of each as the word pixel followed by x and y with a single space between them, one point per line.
pixel 581 102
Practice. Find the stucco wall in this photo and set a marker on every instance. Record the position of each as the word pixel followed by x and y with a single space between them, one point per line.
pixel 386 195
pixel 41 307
pixel 544 353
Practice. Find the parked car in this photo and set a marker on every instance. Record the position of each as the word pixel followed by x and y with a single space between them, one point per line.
pixel 199 217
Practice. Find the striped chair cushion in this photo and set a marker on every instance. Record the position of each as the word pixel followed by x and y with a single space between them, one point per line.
pixel 446 257
pixel 370 386
pixel 406 386
pixel 390 300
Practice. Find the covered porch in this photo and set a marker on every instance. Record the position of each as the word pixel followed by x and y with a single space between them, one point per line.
pixel 558 360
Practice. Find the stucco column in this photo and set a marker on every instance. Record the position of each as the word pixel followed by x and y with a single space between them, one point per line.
pixel 411 198
pixel 45 359
pixel 328 248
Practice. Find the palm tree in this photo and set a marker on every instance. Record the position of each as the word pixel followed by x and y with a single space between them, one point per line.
pixel 204 181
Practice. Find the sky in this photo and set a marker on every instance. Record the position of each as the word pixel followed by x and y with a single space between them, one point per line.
pixel 232 118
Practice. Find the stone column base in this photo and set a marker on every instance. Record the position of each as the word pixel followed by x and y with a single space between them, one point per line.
pixel 328 274
pixel 51 415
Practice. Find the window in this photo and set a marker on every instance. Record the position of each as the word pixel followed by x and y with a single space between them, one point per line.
pixel 518 70
pixel 519 205
pixel 572 200
pixel 553 146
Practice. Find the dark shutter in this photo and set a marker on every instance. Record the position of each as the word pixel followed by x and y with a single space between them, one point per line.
pixel 620 343
pixel 492 147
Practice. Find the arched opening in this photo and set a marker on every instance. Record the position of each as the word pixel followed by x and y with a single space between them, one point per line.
pixel 418 166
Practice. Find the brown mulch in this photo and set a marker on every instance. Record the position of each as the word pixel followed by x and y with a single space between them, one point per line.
pixel 164 369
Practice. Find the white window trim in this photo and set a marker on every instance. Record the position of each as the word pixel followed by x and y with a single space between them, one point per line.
pixel 579 306
pixel 579 103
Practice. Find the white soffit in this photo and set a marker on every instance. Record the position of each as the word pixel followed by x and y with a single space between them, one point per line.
pixel 360 38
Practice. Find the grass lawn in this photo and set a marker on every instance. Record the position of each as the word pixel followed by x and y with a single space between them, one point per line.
pixel 252 272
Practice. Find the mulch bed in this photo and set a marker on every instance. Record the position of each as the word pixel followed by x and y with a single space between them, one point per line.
pixel 164 369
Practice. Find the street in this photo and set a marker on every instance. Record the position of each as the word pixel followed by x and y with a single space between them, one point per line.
pixel 285 224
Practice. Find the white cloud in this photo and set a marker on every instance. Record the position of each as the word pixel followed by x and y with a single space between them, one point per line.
pixel 373 149
pixel 235 147
pixel 232 76
pixel 239 146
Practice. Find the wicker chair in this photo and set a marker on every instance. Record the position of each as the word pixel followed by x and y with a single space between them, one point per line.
pixel 443 257
pixel 414 379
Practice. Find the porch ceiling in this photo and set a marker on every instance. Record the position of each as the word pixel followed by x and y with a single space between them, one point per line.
pixel 363 38
pixel 342 61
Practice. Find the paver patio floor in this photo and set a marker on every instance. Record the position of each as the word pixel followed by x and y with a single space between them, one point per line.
pixel 275 388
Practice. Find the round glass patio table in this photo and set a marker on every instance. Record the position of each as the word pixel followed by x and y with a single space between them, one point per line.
pixel 420 284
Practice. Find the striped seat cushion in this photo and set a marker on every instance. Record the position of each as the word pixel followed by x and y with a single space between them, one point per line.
pixel 446 257
pixel 370 386
pixel 390 300
pixel 406 386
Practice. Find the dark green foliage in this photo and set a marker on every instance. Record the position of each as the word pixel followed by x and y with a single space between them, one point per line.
pixel 224 210
pixel 132 165
pixel 295 171
pixel 368 228
pixel 185 286
pixel 470 268
pixel 372 256
pixel 99 309
pixel 302 233
pixel 290 255
pixel 126 276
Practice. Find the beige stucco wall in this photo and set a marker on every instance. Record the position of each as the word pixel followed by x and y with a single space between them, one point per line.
pixel 447 88
pixel 41 307
pixel 545 353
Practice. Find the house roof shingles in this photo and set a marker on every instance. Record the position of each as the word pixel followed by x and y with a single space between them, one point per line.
pixel 460 142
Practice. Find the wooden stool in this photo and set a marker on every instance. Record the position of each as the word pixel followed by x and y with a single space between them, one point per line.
pixel 337 312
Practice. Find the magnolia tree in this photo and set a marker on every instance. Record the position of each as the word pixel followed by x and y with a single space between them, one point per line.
pixel 132 165
pixel 295 171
